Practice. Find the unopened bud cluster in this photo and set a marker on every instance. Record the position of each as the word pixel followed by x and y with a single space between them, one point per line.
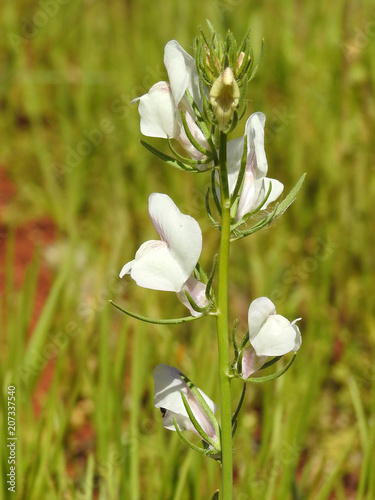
pixel 225 69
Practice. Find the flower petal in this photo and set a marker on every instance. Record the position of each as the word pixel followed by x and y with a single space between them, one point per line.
pixel 155 268
pixel 276 189
pixel 181 232
pixel 183 421
pixel 256 155
pixel 157 112
pixel 182 72
pixel 254 193
pixel 168 388
pixel 259 311
pixel 250 192
pixel 234 155
pixel 251 363
pixel 126 269
pixel 276 337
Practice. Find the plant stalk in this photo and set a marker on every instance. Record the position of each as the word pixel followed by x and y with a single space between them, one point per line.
pixel 222 327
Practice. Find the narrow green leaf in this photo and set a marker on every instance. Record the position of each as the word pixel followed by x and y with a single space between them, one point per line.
pixel 270 363
pixel 186 441
pixel 194 305
pixel 173 321
pixel 206 408
pixel 200 274
pixel 45 320
pixel 169 159
pixel 197 425
pixel 234 341
pixel 187 161
pixel 244 341
pixel 260 58
pixel 360 412
pixel 242 234
pixel 239 406
pixel 210 279
pixel 201 120
pixel 283 205
pixel 214 193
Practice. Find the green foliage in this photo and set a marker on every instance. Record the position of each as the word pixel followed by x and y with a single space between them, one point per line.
pixel 70 143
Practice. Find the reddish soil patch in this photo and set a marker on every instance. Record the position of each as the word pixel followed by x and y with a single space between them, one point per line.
pixel 27 238
pixel 30 237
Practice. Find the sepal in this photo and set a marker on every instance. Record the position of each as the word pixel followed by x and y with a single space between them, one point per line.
pixel 209 292
pixel 188 161
pixel 194 447
pixel 202 310
pixel 213 221
pixel 214 191
pixel 234 340
pixel 239 406
pixel 203 434
pixel 206 408
pixel 192 140
pixel 288 200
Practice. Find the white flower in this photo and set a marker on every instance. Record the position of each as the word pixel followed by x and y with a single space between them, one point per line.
pixel 160 108
pixel 271 334
pixel 168 388
pixel 166 264
pixel 256 184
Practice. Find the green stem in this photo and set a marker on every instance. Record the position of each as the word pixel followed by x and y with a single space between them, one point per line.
pixel 136 392
pixel 222 327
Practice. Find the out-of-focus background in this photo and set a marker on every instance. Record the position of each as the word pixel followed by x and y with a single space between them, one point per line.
pixel 74 184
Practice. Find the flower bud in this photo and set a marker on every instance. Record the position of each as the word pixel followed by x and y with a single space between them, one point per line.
pixel 224 97
pixel 240 60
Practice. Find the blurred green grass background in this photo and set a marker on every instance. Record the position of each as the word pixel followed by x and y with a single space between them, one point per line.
pixel 70 145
